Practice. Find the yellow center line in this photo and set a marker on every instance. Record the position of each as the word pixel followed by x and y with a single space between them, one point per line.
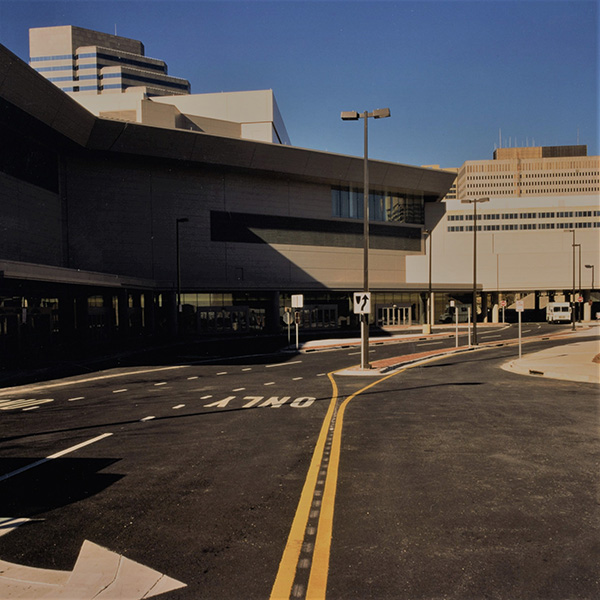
pixel 317 583
pixel 286 574
pixel 282 588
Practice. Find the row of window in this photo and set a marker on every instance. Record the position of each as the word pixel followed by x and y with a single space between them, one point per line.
pixel 525 226
pixel 527 215
pixel 385 207
pixel 157 66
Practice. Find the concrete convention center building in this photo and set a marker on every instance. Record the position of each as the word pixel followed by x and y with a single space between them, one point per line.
pixel 104 216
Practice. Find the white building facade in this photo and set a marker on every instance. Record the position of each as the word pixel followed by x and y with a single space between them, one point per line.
pixel 538 232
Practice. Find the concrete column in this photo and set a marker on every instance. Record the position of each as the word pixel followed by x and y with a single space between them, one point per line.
pixel 170 313
pixel 495 308
pixel 272 314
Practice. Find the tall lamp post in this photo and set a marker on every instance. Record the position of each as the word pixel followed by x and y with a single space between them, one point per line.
pixel 428 233
pixel 592 267
pixel 578 304
pixel 177 221
pixel 352 115
pixel 474 202
pixel 573 244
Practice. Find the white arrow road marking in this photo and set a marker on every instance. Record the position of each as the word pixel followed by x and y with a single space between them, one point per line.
pixel 98 573
pixel 37 463
pixel 7 524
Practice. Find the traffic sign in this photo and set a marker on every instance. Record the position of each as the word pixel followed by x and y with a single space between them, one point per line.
pixel 287 318
pixel 362 303
pixel 520 305
pixel 297 301
pixel 502 303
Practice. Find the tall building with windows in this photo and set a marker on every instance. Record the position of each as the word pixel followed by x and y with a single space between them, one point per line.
pixel 112 78
pixel 532 171
pixel 541 217
pixel 83 61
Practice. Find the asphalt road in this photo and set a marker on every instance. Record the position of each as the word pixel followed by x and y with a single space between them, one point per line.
pixel 243 477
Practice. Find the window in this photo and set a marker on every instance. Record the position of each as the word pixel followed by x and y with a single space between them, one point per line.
pixel 385 207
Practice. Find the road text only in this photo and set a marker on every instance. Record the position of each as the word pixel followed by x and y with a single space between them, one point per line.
pixel 272 402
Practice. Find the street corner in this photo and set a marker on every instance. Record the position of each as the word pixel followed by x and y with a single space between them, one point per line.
pixel 578 362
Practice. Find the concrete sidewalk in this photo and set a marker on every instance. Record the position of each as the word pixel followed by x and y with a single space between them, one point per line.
pixel 579 361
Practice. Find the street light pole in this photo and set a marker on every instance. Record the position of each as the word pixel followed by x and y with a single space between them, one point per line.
pixel 573 294
pixel 592 267
pixel 380 113
pixel 578 246
pixel 474 202
pixel 429 233
pixel 177 221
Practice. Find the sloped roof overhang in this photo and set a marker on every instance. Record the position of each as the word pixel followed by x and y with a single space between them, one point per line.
pixel 23 87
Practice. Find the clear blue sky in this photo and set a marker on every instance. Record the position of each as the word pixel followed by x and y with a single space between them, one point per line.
pixel 454 73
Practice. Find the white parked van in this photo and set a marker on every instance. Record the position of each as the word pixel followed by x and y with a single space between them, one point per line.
pixel 449 316
pixel 558 312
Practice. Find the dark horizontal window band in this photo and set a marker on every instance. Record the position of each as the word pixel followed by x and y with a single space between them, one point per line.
pixel 251 228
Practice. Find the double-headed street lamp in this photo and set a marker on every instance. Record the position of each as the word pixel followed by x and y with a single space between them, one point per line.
pixel 352 115
pixel 474 202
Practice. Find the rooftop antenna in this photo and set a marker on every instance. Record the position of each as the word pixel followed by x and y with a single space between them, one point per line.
pixel 578 136
pixel 115 29
pixel 500 136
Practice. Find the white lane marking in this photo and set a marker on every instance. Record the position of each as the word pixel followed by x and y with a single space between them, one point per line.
pixel 31 408
pixel 238 390
pixel 297 378
pixel 270 383
pixel 253 401
pixel 178 406
pixel 161 383
pixel 205 397
pixel 321 374
pixel 37 463
pixel 353 353
pixel 497 335
pixel 429 343
pixel 23 403
pixel 292 362
pixel 76 398
pixel 34 388
pixel 222 373
pixel 221 403
pixel 148 418
pixel 119 391
pixel 194 377
pixel 247 369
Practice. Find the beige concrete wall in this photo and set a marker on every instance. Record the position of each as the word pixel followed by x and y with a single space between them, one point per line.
pixel 512 260
pixel 52 41
pixel 133 230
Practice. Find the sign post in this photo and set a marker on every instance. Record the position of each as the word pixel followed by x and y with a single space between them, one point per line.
pixel 287 319
pixel 520 309
pixel 469 320
pixel 297 302
pixel 362 306
pixel 453 305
